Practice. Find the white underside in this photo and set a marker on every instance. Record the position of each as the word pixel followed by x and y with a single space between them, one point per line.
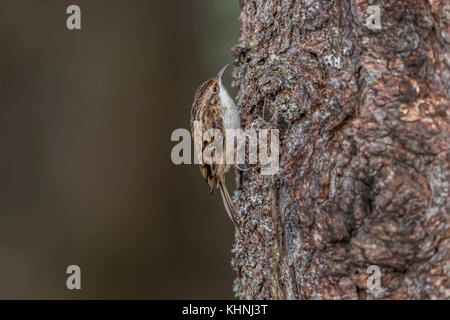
pixel 231 114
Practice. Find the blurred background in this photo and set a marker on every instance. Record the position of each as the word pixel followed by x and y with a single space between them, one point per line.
pixel 85 171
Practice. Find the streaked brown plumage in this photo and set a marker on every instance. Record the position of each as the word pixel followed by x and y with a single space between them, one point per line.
pixel 215 109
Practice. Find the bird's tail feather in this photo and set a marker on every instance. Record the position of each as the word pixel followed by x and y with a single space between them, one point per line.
pixel 229 206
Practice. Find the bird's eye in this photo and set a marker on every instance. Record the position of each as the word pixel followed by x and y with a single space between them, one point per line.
pixel 214 89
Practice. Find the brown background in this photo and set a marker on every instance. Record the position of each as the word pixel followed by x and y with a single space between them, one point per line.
pixel 85 170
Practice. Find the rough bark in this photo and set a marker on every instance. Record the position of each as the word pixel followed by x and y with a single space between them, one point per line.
pixel 364 133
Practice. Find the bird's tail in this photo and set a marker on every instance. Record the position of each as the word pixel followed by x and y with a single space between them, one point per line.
pixel 229 206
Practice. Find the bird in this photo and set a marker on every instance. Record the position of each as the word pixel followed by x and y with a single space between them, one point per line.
pixel 214 108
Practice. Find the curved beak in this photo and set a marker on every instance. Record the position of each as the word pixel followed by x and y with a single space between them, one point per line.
pixel 219 75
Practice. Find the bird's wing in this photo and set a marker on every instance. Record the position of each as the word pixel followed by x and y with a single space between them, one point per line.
pixel 211 118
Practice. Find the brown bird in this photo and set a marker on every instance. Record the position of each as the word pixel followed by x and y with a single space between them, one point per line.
pixel 213 108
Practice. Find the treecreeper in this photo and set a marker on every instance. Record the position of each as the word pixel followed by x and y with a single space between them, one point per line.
pixel 213 113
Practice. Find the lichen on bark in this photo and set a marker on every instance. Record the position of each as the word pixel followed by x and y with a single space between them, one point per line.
pixel 364 131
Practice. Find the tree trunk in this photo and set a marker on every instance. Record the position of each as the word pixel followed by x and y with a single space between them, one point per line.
pixel 364 131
